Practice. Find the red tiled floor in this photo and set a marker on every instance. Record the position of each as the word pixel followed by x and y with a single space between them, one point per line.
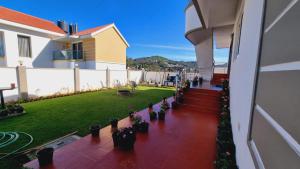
pixel 186 140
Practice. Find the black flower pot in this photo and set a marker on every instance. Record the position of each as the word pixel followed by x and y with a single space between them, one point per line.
pixel 161 115
pixel 45 156
pixel 126 139
pixel 114 123
pixel 141 126
pixel 95 130
pixel 153 115
pixel 144 127
pixel 115 136
pixel 174 105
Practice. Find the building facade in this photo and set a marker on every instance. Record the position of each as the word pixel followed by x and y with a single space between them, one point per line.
pixel 264 72
pixel 34 42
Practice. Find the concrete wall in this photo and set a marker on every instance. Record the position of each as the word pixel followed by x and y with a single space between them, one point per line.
pixel 135 76
pixel 48 81
pixel 42 82
pixel 8 76
pixel 42 48
pixel 118 77
pixel 242 79
pixel 92 79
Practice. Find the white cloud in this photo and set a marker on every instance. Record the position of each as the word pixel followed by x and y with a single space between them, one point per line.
pixel 172 47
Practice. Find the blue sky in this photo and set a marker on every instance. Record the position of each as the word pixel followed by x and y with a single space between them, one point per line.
pixel 151 27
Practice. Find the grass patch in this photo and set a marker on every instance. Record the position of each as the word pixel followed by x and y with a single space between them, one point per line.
pixel 49 119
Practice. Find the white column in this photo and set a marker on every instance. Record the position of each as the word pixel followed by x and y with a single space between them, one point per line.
pixel 204 53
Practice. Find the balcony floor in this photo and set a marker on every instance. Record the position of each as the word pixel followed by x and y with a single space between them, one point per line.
pixel 186 140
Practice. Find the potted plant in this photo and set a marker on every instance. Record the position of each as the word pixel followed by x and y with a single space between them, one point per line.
pixel 124 138
pixel 115 135
pixel 114 123
pixel 200 80
pixel 140 125
pixel 195 81
pixel 153 115
pixel 45 156
pixel 180 97
pixel 165 105
pixel 161 114
pixel 94 129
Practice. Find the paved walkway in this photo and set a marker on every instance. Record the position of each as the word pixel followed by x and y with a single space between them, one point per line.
pixel 186 140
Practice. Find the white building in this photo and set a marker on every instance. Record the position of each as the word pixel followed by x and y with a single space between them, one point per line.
pixel 264 73
pixel 34 42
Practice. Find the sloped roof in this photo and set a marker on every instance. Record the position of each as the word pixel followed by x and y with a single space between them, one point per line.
pixel 94 31
pixel 91 30
pixel 25 19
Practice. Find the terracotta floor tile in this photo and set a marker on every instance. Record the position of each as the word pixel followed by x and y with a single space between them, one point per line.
pixel 186 140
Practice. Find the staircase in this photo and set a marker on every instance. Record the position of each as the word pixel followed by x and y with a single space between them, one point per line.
pixel 218 78
pixel 202 101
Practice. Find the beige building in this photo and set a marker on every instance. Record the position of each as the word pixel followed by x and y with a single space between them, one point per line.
pixel 43 44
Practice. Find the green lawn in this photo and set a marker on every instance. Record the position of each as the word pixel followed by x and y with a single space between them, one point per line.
pixel 47 120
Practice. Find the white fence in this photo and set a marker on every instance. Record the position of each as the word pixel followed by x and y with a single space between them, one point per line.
pixel 49 81
pixel 43 82
pixel 8 76
pixel 92 79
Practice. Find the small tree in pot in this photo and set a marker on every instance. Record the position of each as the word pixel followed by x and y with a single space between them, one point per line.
pixel 45 156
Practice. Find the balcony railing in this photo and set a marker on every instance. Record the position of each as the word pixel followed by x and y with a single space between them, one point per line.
pixel 68 55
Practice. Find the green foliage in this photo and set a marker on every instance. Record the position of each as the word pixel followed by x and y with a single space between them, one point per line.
pixel 159 63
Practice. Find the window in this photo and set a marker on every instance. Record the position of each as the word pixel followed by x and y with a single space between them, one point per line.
pixel 238 38
pixel 2 51
pixel 24 46
pixel 77 50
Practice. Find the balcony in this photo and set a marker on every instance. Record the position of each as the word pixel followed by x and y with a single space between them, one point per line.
pixel 68 55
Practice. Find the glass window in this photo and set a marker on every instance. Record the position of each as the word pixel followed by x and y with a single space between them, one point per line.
pixel 2 51
pixel 24 46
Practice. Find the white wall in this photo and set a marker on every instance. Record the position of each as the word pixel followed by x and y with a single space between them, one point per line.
pixel 157 77
pixel 135 76
pixel 41 48
pixel 8 76
pixel 192 19
pixel 118 77
pixel 92 79
pixel 242 78
pixel 42 82
pixel 220 70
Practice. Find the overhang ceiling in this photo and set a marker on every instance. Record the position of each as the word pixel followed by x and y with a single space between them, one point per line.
pixel 218 15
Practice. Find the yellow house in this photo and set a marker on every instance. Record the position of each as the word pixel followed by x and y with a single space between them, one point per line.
pixel 96 48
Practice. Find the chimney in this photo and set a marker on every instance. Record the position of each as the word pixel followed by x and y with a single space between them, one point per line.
pixel 63 25
pixel 73 29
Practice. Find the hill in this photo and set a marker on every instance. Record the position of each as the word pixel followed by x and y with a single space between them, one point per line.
pixel 159 63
